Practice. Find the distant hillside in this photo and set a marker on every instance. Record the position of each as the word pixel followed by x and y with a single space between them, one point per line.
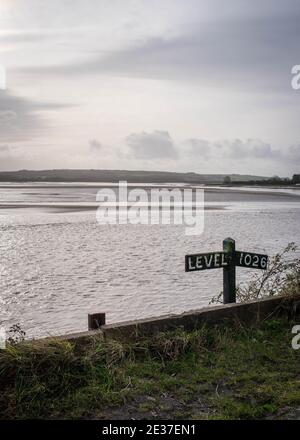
pixel 116 175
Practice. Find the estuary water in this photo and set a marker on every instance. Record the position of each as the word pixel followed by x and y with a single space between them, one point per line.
pixel 57 264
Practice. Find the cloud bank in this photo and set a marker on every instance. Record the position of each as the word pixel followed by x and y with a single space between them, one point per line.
pixel 21 118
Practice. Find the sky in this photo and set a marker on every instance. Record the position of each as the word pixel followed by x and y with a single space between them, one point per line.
pixel 176 85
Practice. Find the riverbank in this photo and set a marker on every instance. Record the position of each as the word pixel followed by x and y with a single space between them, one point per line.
pixel 226 371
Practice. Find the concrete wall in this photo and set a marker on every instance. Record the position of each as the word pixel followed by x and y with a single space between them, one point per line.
pixel 247 313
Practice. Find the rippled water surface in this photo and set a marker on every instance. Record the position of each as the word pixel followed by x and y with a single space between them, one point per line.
pixel 57 264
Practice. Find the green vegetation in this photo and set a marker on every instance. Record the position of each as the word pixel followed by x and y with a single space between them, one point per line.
pixel 220 372
pixel 275 180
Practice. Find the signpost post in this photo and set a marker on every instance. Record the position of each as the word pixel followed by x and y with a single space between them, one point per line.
pixel 228 259
pixel 229 272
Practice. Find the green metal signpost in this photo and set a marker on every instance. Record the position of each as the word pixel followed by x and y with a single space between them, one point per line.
pixel 227 259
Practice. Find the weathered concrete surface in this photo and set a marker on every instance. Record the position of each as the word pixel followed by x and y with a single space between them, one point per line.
pixel 245 313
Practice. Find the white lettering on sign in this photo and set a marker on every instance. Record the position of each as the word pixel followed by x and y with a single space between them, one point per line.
pixel 199 262
pixel 255 261
pixel 216 260
pixel 213 260
pixel 247 259
pixel 225 259
pixel 191 267
pixel 224 262
pixel 208 261
pixel 263 262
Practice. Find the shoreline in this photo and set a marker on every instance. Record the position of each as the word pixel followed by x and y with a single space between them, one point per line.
pixel 77 208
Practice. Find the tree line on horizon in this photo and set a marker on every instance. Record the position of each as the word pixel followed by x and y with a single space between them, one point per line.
pixel 275 180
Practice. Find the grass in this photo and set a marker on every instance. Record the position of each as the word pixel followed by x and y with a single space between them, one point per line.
pixel 220 372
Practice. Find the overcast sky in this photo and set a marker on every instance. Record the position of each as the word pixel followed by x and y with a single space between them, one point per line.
pixel 179 85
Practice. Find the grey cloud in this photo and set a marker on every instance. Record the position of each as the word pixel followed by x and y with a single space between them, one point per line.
pixel 155 145
pixel 95 145
pixel 256 52
pixel 236 149
pixel 21 118
pixel 13 157
pixel 8 151
pixel 255 148
pixel 27 35
pixel 294 153
pixel 22 37
pixel 198 147
pixel 4 148
pixel 159 145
